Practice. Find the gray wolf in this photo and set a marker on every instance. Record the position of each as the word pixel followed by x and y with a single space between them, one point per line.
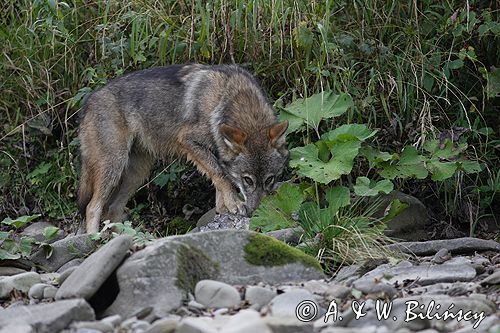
pixel 217 117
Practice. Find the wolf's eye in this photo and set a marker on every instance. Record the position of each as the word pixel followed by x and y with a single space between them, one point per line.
pixel 248 180
pixel 269 180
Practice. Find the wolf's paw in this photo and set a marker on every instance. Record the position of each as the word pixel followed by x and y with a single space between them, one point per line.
pixel 230 203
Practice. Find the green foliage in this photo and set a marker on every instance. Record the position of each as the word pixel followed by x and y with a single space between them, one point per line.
pixel 410 164
pixel 312 110
pixel 277 211
pixel 140 238
pixel 368 188
pixel 20 221
pixel 333 155
pixel 13 246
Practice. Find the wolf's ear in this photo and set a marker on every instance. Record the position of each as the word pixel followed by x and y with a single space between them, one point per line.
pixel 277 133
pixel 233 137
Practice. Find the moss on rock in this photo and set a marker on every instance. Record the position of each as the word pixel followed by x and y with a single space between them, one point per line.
pixel 262 250
pixel 193 266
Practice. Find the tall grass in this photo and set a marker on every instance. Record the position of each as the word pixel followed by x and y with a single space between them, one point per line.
pixel 398 59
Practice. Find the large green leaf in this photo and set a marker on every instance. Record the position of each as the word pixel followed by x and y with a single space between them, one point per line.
pixel 441 170
pixel 368 188
pixel 313 109
pixel 276 211
pixel 470 166
pixel 375 157
pixel 359 131
pixel 20 221
pixel 309 164
pixel 410 165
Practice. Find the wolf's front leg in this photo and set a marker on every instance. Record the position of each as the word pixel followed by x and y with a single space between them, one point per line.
pixel 228 201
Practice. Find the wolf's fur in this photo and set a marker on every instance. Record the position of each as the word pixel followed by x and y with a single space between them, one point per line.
pixel 215 116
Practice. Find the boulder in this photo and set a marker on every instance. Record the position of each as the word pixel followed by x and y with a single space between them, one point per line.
pixel 47 317
pixel 63 251
pixel 410 224
pixel 162 274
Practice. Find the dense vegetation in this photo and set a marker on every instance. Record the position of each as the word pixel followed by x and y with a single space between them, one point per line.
pixel 423 76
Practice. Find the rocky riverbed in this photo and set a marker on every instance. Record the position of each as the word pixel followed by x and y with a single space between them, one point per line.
pixel 240 281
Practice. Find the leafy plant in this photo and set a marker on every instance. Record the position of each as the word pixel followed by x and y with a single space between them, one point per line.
pixel 13 246
pixel 141 238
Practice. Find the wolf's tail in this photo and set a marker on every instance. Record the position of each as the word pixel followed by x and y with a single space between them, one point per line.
pixel 85 189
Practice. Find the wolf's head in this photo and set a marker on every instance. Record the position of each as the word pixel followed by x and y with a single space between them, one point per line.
pixel 254 161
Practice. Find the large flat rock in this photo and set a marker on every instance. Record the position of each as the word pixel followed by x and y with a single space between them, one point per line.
pixel 47 317
pixel 161 275
pixel 89 276
pixel 455 246
pixel 423 274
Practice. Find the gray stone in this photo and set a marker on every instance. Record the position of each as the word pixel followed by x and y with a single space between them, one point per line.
pixel 93 325
pixel 214 294
pixel 409 224
pixel 246 321
pixel 196 305
pixel 441 256
pixel 227 221
pixel 317 287
pixel 347 273
pixel 113 320
pixel 289 235
pixel 63 251
pixel 455 246
pixel 8 271
pixel 425 273
pixel 21 282
pixel 164 325
pixel 287 324
pixel 493 279
pixel 36 290
pixel 49 292
pixel 165 271
pixel 35 231
pixel 65 274
pixel 375 286
pixel 258 296
pixel 21 328
pixel 284 305
pixel 451 289
pixel 206 218
pixel 91 274
pixel 48 317
pixel 196 325
pixel 70 264
pixel 338 291
pixel 139 326
pixel 50 278
pixel 86 330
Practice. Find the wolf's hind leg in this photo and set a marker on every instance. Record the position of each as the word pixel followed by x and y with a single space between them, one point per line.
pixel 105 160
pixel 137 170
